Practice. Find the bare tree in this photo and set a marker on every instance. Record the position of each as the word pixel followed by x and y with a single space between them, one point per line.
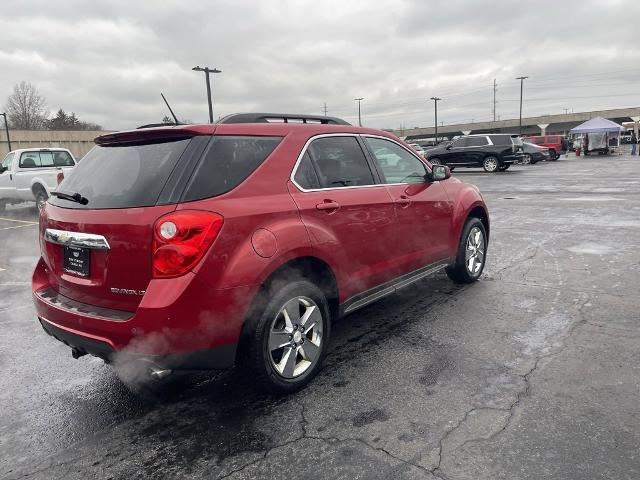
pixel 26 107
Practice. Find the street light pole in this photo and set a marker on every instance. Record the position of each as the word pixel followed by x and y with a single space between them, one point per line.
pixel 435 102
pixel 207 71
pixel 359 114
pixel 6 129
pixel 522 79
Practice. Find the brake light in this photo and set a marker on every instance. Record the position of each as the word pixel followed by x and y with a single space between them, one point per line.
pixel 180 240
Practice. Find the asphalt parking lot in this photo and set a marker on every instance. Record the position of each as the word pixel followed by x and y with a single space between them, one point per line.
pixel 533 372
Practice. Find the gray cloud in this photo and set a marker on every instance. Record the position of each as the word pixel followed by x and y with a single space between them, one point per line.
pixel 108 61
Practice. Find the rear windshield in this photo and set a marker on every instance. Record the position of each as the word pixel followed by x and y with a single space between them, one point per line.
pixel 122 176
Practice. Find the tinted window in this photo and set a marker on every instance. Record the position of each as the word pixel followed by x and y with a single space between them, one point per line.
pixel 340 162
pixel 476 142
pixel 6 163
pixel 228 161
pixel 538 141
pixel 552 140
pixel 501 139
pixel 306 175
pixel 460 142
pixel 397 165
pixel 122 176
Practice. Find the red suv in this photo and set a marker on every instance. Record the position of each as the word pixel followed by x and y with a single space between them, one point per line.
pixel 196 246
pixel 557 144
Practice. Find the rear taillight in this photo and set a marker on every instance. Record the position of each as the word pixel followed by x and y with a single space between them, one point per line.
pixel 180 240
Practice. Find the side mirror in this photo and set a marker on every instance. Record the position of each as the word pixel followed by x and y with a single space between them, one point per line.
pixel 448 147
pixel 3 169
pixel 440 172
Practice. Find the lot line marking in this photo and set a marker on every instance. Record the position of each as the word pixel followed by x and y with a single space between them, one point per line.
pixel 19 221
pixel 19 226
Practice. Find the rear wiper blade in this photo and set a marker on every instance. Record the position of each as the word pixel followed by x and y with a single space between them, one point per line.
pixel 72 197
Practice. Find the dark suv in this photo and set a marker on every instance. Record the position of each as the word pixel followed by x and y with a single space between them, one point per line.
pixel 196 246
pixel 495 152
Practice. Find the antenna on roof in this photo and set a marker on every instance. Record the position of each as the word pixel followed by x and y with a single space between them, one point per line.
pixel 175 119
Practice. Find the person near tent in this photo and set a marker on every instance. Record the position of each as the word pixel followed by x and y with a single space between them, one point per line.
pixel 634 143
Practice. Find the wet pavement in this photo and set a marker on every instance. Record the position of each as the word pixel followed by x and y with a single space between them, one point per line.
pixel 533 372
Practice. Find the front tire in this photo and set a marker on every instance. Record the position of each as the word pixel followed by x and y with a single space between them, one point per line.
pixel 435 161
pixel 288 338
pixel 553 156
pixel 471 255
pixel 490 164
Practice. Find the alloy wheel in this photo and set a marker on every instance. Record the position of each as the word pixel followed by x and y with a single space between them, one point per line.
pixel 474 252
pixel 295 337
pixel 526 160
pixel 490 164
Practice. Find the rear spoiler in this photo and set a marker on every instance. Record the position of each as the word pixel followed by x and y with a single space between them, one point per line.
pixel 150 135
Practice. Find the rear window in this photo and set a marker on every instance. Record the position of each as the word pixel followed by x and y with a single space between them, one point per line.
pixel 122 176
pixel 553 140
pixel 501 140
pixel 229 160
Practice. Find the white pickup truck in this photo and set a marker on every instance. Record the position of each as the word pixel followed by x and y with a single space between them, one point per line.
pixel 32 173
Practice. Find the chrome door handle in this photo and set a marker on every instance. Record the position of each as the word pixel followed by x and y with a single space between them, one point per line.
pixel 328 205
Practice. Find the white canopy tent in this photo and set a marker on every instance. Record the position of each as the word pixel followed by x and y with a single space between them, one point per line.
pixel 598 134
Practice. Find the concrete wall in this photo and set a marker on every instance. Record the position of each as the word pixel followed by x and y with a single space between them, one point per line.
pixel 78 141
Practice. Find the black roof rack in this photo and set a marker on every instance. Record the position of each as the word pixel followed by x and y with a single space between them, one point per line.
pixel 280 118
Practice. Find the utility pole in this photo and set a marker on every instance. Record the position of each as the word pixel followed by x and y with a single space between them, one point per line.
pixel 566 110
pixel 359 114
pixel 325 109
pixel 522 79
pixel 6 129
pixel 435 102
pixel 207 71
pixel 494 99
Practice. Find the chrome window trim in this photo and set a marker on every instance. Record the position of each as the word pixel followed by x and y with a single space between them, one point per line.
pixel 76 239
pixel 355 135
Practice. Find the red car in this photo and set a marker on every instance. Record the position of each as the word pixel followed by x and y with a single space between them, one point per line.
pixel 557 144
pixel 197 246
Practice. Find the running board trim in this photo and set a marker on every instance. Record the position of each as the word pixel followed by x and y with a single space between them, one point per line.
pixel 365 298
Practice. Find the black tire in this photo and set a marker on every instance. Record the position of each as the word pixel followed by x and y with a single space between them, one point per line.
pixel 490 164
pixel 526 159
pixel 435 161
pixel 257 360
pixel 459 271
pixel 553 156
pixel 41 196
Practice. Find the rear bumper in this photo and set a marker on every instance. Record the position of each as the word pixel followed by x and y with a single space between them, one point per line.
pixel 179 321
pixel 215 358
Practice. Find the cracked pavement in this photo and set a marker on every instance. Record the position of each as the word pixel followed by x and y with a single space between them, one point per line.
pixel 533 372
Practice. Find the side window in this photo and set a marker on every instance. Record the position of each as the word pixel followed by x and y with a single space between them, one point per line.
pixel 62 159
pixel 552 139
pixel 30 160
pixel 460 142
pixel 476 141
pixel 340 162
pixel 397 165
pixel 538 141
pixel 306 175
pixel 228 161
pixel 8 161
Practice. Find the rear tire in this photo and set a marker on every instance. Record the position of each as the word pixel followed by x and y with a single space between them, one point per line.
pixel 472 252
pixel 526 159
pixel 41 197
pixel 490 164
pixel 287 339
pixel 553 156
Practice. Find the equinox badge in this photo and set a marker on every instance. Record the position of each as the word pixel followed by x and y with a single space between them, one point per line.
pixel 126 291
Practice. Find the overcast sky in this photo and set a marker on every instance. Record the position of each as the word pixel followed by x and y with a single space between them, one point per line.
pixel 108 61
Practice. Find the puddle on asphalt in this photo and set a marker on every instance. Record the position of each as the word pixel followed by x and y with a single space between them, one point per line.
pixel 591 248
